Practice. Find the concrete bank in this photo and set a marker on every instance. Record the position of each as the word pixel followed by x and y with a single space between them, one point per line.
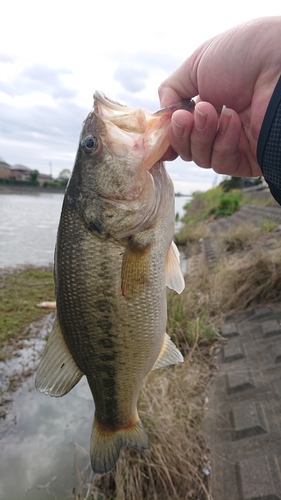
pixel 243 418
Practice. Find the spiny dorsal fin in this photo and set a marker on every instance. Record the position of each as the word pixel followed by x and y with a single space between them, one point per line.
pixel 174 277
pixel 57 373
pixel 169 355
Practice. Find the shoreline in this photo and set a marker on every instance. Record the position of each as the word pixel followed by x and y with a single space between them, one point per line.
pixel 13 189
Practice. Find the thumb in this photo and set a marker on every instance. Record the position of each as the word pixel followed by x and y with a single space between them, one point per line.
pixel 182 84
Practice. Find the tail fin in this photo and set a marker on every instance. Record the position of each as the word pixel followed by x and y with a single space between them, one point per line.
pixel 106 444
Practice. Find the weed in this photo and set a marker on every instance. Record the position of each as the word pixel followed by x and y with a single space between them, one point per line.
pixel 20 291
pixel 267 226
pixel 229 203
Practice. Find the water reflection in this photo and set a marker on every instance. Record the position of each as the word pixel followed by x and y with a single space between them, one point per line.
pixel 37 439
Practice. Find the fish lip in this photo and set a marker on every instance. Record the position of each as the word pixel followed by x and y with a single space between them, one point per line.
pixel 114 105
pixel 187 104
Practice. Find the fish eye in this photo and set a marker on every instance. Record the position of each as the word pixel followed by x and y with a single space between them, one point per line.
pixel 89 143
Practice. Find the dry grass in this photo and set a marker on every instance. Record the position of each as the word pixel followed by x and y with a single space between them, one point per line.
pixel 239 237
pixel 245 235
pixel 191 233
pixel 252 280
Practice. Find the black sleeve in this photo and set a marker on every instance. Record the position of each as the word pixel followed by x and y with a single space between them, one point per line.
pixel 269 144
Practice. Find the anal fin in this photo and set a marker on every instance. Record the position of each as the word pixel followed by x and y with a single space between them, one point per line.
pixel 57 373
pixel 169 354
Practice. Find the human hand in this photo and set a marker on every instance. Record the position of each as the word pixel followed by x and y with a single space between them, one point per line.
pixel 238 70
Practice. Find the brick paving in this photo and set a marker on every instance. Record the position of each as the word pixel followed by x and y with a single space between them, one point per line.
pixel 243 421
pixel 243 418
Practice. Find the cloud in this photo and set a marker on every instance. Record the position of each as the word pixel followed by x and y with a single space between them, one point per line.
pixel 134 70
pixel 41 79
pixel 33 133
pixel 131 77
pixel 5 58
pixel 38 135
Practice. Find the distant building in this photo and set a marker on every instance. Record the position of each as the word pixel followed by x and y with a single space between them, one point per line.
pixel 5 170
pixel 20 172
pixel 44 178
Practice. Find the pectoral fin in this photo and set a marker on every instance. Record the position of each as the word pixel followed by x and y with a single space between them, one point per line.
pixel 135 274
pixel 169 355
pixel 57 373
pixel 174 277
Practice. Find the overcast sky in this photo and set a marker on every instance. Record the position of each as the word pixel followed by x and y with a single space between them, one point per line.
pixel 55 54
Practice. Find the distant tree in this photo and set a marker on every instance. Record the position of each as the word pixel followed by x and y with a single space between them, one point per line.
pixel 65 174
pixel 33 176
pixel 230 184
pixel 64 177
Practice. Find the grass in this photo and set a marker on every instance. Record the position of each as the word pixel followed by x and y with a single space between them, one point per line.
pixel 241 283
pixel 245 235
pixel 20 291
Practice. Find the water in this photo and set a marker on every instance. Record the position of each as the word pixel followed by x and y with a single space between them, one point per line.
pixel 44 441
pixel 180 202
pixel 28 227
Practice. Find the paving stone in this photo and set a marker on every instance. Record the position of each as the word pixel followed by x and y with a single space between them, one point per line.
pixel 247 420
pixel 239 381
pixel 277 388
pixel 229 330
pixel 275 351
pixel 233 351
pixel 262 311
pixel 255 479
pixel 270 328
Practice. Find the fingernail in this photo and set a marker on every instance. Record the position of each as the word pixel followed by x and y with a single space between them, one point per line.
pixel 225 118
pixel 178 130
pixel 200 119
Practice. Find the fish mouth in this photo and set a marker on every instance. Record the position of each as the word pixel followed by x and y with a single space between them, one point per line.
pixel 135 131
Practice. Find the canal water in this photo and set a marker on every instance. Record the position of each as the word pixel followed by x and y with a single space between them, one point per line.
pixel 44 441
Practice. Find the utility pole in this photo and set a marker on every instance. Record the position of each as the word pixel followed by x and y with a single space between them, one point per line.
pixel 50 165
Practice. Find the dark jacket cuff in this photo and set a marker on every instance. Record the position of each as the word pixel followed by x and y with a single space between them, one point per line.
pixel 269 144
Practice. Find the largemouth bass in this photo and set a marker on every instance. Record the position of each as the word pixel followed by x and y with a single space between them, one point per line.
pixel 114 258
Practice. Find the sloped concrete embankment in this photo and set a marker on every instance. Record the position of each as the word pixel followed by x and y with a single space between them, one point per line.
pixel 210 249
pixel 243 419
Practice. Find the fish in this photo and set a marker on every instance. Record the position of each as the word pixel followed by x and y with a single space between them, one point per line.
pixel 114 257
